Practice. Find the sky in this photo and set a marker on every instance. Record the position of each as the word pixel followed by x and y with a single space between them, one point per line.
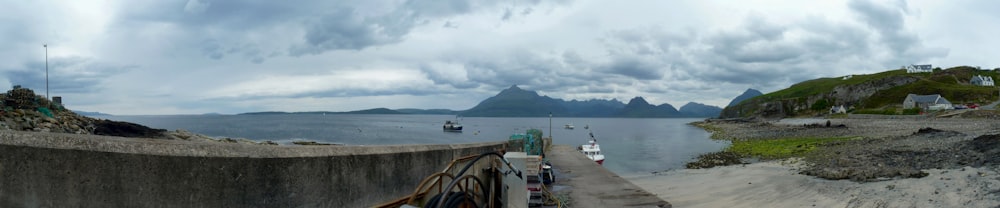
pixel 139 57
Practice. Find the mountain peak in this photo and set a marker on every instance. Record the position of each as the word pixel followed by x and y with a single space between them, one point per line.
pixel 514 90
pixel 638 101
pixel 749 93
pixel 752 91
pixel 513 87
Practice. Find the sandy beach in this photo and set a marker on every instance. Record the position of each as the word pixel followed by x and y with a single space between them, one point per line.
pixel 773 184
pixel 948 182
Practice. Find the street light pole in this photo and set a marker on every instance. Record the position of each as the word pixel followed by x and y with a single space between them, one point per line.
pixel 46 46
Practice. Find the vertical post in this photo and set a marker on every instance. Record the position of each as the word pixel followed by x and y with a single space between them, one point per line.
pixel 46 46
pixel 550 127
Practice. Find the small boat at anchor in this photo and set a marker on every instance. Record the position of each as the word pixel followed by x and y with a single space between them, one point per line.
pixel 569 126
pixel 593 150
pixel 452 126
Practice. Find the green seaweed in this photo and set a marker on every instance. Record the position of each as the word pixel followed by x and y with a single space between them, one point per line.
pixel 780 148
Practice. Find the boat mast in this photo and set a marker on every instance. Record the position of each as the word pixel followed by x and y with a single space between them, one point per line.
pixel 550 126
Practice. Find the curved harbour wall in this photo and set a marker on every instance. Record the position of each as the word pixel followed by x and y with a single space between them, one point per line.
pixel 65 170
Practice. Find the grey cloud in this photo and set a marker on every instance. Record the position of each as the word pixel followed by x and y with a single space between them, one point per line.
pixel 505 67
pixel 196 6
pixel 321 26
pixel 212 49
pixel 65 74
pixel 342 92
pixel 889 21
pixel 442 76
pixel 434 8
pixel 761 53
pixel 345 30
pixel 527 11
pixel 639 67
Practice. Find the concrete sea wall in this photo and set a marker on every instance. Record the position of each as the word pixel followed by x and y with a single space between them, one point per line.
pixel 65 170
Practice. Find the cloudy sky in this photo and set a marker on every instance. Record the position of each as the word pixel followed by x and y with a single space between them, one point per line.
pixel 198 56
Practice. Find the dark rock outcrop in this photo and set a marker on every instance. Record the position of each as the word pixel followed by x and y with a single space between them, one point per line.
pixel 125 129
pixel 715 159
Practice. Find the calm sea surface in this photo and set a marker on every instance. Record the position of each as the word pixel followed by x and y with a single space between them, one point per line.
pixel 632 146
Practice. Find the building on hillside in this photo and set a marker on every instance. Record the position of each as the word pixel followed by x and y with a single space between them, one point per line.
pixel 927 102
pixel 980 80
pixel 919 69
pixel 838 110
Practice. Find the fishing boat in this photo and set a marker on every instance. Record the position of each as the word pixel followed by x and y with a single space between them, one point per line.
pixel 593 150
pixel 569 126
pixel 452 126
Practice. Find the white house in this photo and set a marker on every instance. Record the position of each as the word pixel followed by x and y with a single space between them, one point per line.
pixel 919 69
pixel 979 80
pixel 927 102
pixel 838 110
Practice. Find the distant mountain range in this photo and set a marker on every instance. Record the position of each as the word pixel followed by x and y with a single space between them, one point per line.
pixel 517 102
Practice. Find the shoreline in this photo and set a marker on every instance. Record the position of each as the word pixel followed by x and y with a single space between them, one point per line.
pixel 873 169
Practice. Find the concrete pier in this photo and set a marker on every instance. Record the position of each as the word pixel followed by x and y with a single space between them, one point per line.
pixel 66 170
pixel 591 185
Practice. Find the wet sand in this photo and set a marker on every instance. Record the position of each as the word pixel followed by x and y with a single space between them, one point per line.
pixel 773 184
pixel 971 180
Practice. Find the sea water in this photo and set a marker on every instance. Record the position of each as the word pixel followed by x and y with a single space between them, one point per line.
pixel 632 146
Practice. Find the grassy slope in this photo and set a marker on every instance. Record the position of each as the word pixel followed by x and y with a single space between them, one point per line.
pixel 951 83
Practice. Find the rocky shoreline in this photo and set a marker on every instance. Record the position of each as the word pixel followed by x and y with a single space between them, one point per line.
pixel 22 110
pixel 885 148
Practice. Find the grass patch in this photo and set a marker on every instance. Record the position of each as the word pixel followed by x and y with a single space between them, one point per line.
pixel 780 148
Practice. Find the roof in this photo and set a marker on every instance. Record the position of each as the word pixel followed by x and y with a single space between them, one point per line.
pixel 935 98
pixel 925 67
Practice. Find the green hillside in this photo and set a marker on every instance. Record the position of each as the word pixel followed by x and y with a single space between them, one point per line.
pixel 952 84
pixel 885 90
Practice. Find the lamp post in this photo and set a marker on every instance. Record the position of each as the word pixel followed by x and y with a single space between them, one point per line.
pixel 46 46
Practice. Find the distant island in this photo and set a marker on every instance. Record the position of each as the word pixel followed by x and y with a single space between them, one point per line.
pixel 88 113
pixel 367 111
pixel 517 102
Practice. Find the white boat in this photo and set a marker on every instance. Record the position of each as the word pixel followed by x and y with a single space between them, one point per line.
pixel 593 150
pixel 569 126
pixel 452 126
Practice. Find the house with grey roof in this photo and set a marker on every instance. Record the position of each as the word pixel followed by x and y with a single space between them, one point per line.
pixel 980 80
pixel 927 102
pixel 838 109
pixel 919 68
